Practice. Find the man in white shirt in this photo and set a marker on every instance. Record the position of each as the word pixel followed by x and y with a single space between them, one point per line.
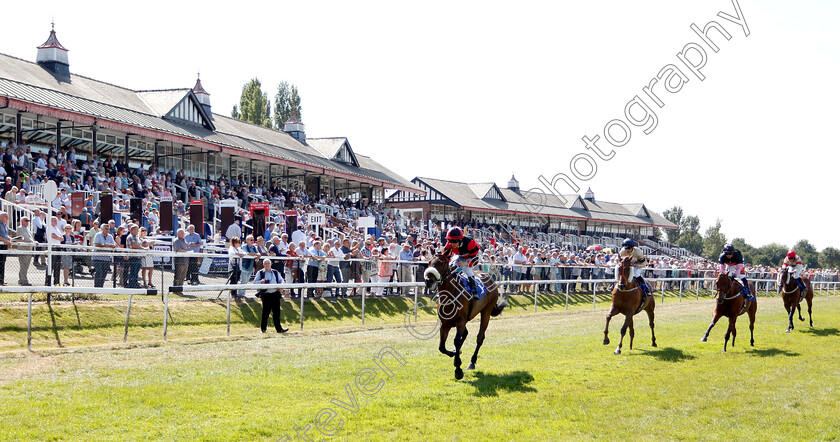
pixel 270 297
pixel 55 235
pixel 233 231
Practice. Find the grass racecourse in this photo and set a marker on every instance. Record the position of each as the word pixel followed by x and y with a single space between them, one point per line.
pixel 540 376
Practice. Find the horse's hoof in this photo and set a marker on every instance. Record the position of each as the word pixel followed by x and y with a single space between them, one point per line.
pixel 459 374
pixel 654 344
pixel 788 330
pixel 703 340
pixel 606 341
pixel 617 351
pixel 471 366
pixel 752 344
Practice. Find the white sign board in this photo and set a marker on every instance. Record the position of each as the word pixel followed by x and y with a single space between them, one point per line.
pixel 316 219
pixel 227 203
pixel 50 191
pixel 366 222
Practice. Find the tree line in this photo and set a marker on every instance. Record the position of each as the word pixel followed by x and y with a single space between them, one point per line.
pixel 709 245
pixel 255 107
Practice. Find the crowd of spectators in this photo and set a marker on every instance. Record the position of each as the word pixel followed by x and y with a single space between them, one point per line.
pixel 338 252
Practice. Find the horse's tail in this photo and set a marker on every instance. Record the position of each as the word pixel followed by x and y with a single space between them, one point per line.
pixel 500 305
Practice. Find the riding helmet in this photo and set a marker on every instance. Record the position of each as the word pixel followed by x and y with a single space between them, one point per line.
pixel 628 243
pixel 455 233
pixel 791 254
pixel 728 248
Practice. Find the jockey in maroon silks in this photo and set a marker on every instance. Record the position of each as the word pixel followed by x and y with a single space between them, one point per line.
pixel 467 250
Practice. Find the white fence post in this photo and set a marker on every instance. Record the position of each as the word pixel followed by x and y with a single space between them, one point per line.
pixel 228 313
pixel 301 307
pixel 127 315
pixel 165 311
pixel 567 296
pixel 29 324
pixel 363 310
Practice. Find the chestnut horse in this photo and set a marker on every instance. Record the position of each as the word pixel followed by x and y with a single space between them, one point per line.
pixel 792 295
pixel 456 307
pixel 627 300
pixel 731 303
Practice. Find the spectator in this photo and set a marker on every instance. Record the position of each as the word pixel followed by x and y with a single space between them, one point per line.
pixel 407 257
pixel 247 265
pixel 195 242
pixel 270 297
pixel 5 242
pixel 316 256
pixel 235 255
pixel 180 245
pixel 101 263
pixel 25 243
pixel 68 239
pixel 133 243
pixel 333 271
pixel 56 236
pixel 148 261
pixel 233 231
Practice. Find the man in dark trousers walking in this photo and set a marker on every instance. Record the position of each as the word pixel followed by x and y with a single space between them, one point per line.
pixel 270 297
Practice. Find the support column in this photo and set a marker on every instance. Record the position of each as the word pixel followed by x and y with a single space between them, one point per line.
pixel 125 155
pixel 155 161
pixel 57 136
pixel 18 134
pixel 93 145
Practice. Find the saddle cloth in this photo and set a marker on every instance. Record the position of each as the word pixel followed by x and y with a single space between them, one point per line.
pixel 481 290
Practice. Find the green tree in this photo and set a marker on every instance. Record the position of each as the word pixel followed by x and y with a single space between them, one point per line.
pixel 713 241
pixel 829 258
pixel 235 112
pixel 691 241
pixel 808 253
pixel 770 254
pixel 675 215
pixel 286 104
pixel 254 106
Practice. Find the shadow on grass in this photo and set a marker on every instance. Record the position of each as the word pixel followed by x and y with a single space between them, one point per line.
pixel 668 354
pixel 490 384
pixel 772 351
pixel 822 331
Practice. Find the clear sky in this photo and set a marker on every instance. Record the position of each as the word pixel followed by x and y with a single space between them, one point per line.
pixel 476 91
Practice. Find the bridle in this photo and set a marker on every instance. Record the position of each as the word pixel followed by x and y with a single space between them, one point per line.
pixel 623 271
pixel 787 281
pixel 721 299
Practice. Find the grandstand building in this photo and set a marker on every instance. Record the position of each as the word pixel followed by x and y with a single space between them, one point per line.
pixel 44 106
pixel 487 203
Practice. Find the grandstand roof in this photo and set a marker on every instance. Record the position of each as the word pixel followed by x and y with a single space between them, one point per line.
pixel 472 196
pixel 28 87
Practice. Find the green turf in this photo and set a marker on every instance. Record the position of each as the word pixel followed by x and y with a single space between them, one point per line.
pixel 64 324
pixel 541 376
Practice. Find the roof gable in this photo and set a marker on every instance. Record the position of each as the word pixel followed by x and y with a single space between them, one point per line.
pixel 576 203
pixel 335 149
pixel 189 110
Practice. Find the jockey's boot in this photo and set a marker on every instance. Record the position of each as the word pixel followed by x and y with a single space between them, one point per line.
pixel 645 289
pixel 801 284
pixel 473 286
pixel 746 289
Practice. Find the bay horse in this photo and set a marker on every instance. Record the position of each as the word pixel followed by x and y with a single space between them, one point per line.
pixel 792 295
pixel 731 303
pixel 627 300
pixel 456 307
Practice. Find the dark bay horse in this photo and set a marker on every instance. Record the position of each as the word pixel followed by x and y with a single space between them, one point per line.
pixel 792 295
pixel 627 300
pixel 456 307
pixel 730 303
